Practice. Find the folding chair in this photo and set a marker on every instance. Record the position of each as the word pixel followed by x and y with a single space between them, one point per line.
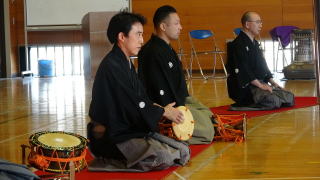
pixel 200 35
pixel 181 55
pixel 282 35
pixel 236 31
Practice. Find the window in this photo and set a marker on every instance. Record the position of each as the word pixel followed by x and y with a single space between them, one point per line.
pixel 67 58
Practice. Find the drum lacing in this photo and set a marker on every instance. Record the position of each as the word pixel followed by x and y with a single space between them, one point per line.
pixel 165 129
pixel 225 127
pixel 43 161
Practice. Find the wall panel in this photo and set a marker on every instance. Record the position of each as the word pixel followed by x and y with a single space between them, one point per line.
pixel 223 16
pixel 298 13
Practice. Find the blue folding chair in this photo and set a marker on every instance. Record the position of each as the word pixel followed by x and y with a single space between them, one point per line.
pixel 200 35
pixel 236 31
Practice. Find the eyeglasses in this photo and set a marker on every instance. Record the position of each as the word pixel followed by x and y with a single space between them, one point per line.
pixel 257 21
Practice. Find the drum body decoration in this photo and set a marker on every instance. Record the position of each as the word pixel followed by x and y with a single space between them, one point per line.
pixel 181 132
pixel 230 127
pixel 52 151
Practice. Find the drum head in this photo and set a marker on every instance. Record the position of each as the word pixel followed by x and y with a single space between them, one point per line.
pixel 59 140
pixel 184 130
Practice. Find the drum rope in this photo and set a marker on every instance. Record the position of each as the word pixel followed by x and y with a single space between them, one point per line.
pixel 43 161
pixel 226 128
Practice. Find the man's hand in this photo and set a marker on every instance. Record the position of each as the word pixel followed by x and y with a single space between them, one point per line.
pixel 266 87
pixel 277 86
pixel 260 85
pixel 173 114
pixel 274 84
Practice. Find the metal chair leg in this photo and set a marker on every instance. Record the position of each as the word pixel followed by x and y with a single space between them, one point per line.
pixel 224 67
pixel 201 72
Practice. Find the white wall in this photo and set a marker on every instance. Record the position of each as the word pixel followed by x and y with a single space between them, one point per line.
pixel 67 12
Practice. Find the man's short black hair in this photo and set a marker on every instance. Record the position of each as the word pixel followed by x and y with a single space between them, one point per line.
pixel 122 22
pixel 162 13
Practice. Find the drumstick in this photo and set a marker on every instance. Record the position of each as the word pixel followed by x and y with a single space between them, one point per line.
pixel 163 107
pixel 158 105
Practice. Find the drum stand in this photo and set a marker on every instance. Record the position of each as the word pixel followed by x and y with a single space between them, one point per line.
pixel 70 176
pixel 23 155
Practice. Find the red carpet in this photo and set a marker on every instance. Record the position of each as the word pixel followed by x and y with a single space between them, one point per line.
pixel 195 149
pixel 154 175
pixel 300 102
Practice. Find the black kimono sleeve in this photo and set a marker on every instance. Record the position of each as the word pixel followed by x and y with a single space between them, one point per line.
pixel 154 75
pixel 161 72
pixel 244 72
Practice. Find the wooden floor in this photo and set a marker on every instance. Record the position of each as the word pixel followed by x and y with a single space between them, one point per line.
pixel 279 146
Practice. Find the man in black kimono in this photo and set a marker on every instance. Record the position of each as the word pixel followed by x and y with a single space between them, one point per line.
pixel 124 121
pixel 161 72
pixel 249 74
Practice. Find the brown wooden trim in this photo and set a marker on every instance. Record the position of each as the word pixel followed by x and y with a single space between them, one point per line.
pixel 55 37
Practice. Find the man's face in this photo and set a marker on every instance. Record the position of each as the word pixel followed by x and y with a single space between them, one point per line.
pixel 134 40
pixel 254 25
pixel 172 26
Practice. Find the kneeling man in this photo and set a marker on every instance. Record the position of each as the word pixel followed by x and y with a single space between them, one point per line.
pixel 249 75
pixel 124 121
pixel 161 72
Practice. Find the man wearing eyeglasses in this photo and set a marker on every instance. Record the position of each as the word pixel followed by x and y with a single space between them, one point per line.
pixel 250 82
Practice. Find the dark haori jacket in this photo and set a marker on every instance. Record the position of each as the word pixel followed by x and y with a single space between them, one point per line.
pixel 160 70
pixel 245 64
pixel 120 103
